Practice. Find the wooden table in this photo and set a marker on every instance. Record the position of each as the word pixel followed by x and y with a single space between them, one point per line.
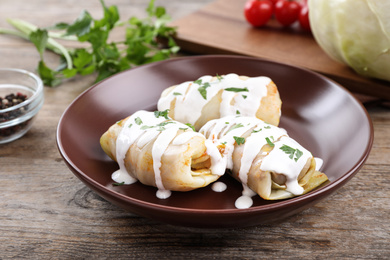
pixel 47 213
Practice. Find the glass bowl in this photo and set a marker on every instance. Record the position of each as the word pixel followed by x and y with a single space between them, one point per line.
pixel 21 97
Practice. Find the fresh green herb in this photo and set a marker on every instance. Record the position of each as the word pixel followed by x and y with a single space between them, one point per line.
pixel 165 123
pixel 191 126
pixel 144 127
pixel 164 114
pixel 118 183
pixel 291 152
pixel 244 96
pixel 202 89
pixel 130 125
pixel 141 43
pixel 238 112
pixel 183 128
pixel 177 94
pixel 237 89
pixel 161 128
pixel 138 121
pixel 256 131
pixel 198 81
pixel 219 78
pixel 269 142
pixel 224 143
pixel 298 154
pixel 235 127
pixel 239 140
pixel 267 127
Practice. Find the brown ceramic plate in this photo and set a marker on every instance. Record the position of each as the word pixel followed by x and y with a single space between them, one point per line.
pixel 317 112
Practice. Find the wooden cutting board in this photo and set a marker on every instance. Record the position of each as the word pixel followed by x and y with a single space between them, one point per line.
pixel 221 28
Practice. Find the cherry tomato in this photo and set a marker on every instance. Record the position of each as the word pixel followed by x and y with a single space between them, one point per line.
pixel 304 18
pixel 258 12
pixel 287 12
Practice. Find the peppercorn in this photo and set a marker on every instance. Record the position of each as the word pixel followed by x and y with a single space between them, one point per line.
pixel 7 102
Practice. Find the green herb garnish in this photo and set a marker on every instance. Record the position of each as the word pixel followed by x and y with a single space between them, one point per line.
pixel 237 89
pixel 269 142
pixel 239 140
pixel 219 78
pixel 138 121
pixel 140 44
pixel 244 96
pixel 256 131
pixel 164 114
pixel 191 126
pixel 291 152
pixel 235 127
pixel 202 89
pixel 118 183
pixel 177 94
pixel 267 127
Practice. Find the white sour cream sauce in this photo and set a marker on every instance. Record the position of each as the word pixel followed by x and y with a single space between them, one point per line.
pixel 223 131
pixel 189 101
pixel 141 128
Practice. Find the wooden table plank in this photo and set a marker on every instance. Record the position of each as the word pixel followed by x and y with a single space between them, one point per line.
pixel 47 213
pixel 220 27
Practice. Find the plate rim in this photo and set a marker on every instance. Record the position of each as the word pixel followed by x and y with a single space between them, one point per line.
pixel 330 187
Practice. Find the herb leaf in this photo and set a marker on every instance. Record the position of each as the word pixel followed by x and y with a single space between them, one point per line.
pixel 141 43
pixel 202 89
pixel 239 140
pixel 291 152
pixel 164 114
pixel 235 127
pixel 269 142
pixel 237 89
pixel 191 126
pixel 138 121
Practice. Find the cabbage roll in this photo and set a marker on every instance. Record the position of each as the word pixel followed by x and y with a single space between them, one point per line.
pixel 197 102
pixel 263 158
pixel 157 151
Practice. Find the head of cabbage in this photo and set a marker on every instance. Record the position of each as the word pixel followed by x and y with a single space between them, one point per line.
pixel 354 32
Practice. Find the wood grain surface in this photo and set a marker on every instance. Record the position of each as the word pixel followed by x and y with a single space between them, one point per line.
pixel 47 213
pixel 230 33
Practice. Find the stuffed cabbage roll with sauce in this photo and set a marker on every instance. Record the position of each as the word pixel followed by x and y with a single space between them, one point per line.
pixel 158 151
pixel 197 102
pixel 263 158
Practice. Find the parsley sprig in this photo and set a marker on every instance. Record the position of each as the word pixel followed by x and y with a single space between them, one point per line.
pixel 292 152
pixel 103 57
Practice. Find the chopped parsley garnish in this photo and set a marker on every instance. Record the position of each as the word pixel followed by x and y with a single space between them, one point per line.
pixel 177 94
pixel 238 112
pixel 166 122
pixel 191 126
pixel 198 81
pixel 183 128
pixel 292 152
pixel 164 114
pixel 130 125
pixel 202 89
pixel 267 127
pixel 144 127
pixel 219 77
pixel 118 183
pixel 235 127
pixel 269 142
pixel 239 140
pixel 256 131
pixel 237 89
pixel 138 121
pixel 244 96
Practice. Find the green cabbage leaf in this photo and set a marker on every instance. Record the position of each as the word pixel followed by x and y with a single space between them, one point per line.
pixel 354 32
